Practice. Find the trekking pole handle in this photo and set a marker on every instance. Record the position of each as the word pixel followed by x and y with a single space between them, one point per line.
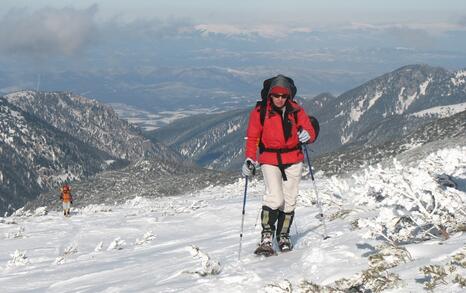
pixel 251 167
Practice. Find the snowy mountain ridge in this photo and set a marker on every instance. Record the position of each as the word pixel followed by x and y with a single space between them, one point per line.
pixel 90 121
pixel 392 97
pixel 385 108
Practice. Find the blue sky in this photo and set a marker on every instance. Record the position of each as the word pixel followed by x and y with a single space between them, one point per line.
pixel 299 12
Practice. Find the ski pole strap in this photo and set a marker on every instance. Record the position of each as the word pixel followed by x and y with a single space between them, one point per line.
pixel 279 153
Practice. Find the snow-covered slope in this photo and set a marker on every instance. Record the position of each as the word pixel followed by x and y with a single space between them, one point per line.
pixel 47 138
pixel 449 131
pixel 148 178
pixel 92 122
pixel 35 156
pixel 212 140
pixel 390 105
pixel 386 224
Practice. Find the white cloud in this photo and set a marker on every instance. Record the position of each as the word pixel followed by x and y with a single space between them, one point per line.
pixel 47 31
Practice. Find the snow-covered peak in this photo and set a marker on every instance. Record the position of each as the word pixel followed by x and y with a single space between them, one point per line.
pixel 459 78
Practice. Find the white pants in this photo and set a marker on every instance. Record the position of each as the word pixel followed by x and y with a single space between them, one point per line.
pixel 66 205
pixel 281 194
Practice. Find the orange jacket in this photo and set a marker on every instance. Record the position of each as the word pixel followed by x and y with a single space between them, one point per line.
pixel 66 196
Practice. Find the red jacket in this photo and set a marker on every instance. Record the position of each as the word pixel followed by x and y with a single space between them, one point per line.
pixel 272 134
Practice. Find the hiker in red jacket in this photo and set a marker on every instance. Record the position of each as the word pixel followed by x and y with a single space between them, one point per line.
pixel 277 128
pixel 66 198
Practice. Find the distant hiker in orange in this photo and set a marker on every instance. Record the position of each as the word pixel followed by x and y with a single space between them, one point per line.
pixel 66 198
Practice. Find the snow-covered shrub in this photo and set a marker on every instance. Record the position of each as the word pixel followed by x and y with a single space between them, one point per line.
pixel 138 201
pixel 69 250
pixel 459 259
pixel 197 204
pixel 21 213
pixel 279 287
pixel 434 275
pixel 209 266
pixel 16 235
pixel 453 271
pixel 18 258
pixel 388 256
pixel 460 280
pixel 41 211
pixel 99 246
pixel 148 237
pixel 370 280
pixel 59 260
pixel 412 204
pixel 8 221
pixel 310 287
pixel 376 278
pixel 96 208
pixel 340 214
pixel 116 244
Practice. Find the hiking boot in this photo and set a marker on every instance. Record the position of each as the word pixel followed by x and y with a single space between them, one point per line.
pixel 266 239
pixel 285 243
pixel 265 247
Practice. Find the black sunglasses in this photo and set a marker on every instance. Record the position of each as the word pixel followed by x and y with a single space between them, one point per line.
pixel 282 96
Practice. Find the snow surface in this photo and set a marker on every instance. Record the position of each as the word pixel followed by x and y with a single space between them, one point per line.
pixel 375 98
pixel 441 111
pixel 423 86
pixel 459 78
pixel 404 101
pixel 190 243
pixel 357 111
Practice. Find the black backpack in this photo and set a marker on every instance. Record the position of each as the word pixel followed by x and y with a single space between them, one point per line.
pixel 284 81
pixel 279 80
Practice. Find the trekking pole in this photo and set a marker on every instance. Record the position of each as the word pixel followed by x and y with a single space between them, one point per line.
pixel 319 204
pixel 242 218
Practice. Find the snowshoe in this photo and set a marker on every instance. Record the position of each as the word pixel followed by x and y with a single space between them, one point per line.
pixel 265 249
pixel 284 243
pixel 285 246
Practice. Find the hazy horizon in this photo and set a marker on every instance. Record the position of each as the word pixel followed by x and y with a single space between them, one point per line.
pixel 40 40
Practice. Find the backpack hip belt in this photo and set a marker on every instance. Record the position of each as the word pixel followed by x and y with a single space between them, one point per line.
pixel 279 153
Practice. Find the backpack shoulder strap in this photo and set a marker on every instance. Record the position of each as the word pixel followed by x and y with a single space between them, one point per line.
pixel 262 110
